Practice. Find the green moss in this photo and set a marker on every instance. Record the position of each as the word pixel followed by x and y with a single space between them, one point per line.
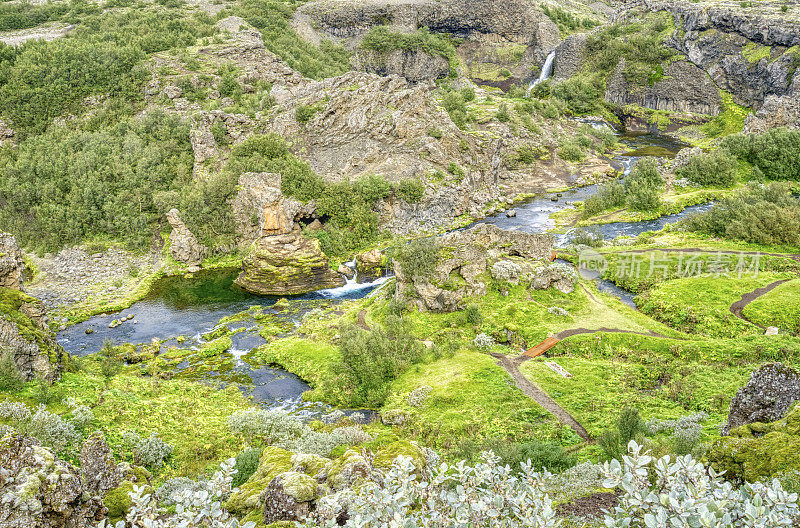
pixel 272 462
pixel 215 347
pixel 755 52
pixel 11 301
pixel 758 450
pixel 299 486
pixel 385 455
pixel 346 470
pixel 118 500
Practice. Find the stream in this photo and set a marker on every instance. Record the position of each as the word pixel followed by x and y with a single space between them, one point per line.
pixel 189 307
pixel 179 310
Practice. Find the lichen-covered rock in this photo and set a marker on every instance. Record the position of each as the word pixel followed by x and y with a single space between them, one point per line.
pixel 11 264
pixel 272 462
pixel 261 209
pixel 772 389
pixel 184 246
pixel 288 497
pixel 570 56
pixel 288 264
pixel 758 450
pixel 347 470
pixel 40 490
pixel 99 470
pixel 558 276
pixel 310 464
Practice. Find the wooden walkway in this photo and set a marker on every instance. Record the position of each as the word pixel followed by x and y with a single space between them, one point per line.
pixel 542 347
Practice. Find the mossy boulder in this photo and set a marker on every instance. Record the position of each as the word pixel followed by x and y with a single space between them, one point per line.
pixel 118 500
pixel 347 470
pixel 757 450
pixel 272 462
pixel 385 455
pixel 289 497
pixel 309 464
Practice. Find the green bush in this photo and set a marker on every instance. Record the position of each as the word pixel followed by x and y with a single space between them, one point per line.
pixel 774 153
pixel 571 152
pixel 761 214
pixel 417 258
pixel 628 426
pixel 717 167
pixel 228 85
pixel 372 359
pixel 643 186
pixel 304 113
pixel 381 40
pixel 246 465
pixel 502 114
pixel 410 190
pixel 11 378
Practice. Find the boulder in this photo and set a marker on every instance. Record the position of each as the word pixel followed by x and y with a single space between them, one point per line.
pixel 11 264
pixel 772 389
pixel 287 264
pixel 558 276
pixel 506 270
pixel 683 156
pixel 347 271
pixel 272 462
pixel 289 497
pixel 369 265
pixel 99 470
pixel 184 246
pixel 40 490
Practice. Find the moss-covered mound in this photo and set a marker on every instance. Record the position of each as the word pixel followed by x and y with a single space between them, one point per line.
pixel 759 450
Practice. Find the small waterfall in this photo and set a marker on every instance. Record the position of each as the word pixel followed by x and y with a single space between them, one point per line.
pixel 547 70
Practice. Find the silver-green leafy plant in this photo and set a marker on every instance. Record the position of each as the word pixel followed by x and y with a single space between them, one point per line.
pixel 194 507
pixel 682 493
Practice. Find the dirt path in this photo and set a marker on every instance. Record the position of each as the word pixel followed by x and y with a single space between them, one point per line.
pixel 534 392
pixel 575 331
pixel 747 298
pixel 362 320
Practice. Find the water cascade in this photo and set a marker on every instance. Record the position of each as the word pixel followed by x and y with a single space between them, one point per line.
pixel 547 70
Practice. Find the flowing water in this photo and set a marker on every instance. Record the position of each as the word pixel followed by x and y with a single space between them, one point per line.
pixel 192 306
pixel 189 307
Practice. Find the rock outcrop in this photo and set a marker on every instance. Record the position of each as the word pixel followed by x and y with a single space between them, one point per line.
pixel 496 34
pixel 370 265
pixel 767 397
pixel 261 209
pixel 414 65
pixel 24 332
pixel 12 265
pixel 7 134
pixel 570 56
pixel 40 490
pixel 288 264
pixel 183 246
pixel 464 258
pixel 684 88
pixel 99 470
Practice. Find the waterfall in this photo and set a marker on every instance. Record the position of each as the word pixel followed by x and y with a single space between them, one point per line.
pixel 547 70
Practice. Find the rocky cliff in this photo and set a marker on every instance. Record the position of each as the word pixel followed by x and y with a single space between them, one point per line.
pixel 496 34
pixel 24 332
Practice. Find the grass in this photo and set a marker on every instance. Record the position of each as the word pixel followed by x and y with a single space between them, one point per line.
pixel 471 397
pixel 190 416
pixel 780 308
pixel 676 303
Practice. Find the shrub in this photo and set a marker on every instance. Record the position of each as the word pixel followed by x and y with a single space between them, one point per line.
pixel 473 315
pixel 246 465
pixel 717 167
pixel 52 430
pixel 761 214
pixel 304 113
pixel 774 152
pixel 417 258
pixel 150 451
pixel 483 342
pixel 502 114
pixel 11 379
pixel 571 152
pixel 435 133
pixel 628 426
pixel 371 360
pixel 265 426
pixel 410 190
pixel 228 85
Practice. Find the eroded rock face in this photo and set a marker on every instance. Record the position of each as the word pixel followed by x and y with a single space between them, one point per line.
pixel 369 265
pixel 40 490
pixel 261 209
pixel 415 65
pixel 767 396
pixel 287 264
pixel 683 88
pixel 570 56
pixel 11 264
pixel 184 246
